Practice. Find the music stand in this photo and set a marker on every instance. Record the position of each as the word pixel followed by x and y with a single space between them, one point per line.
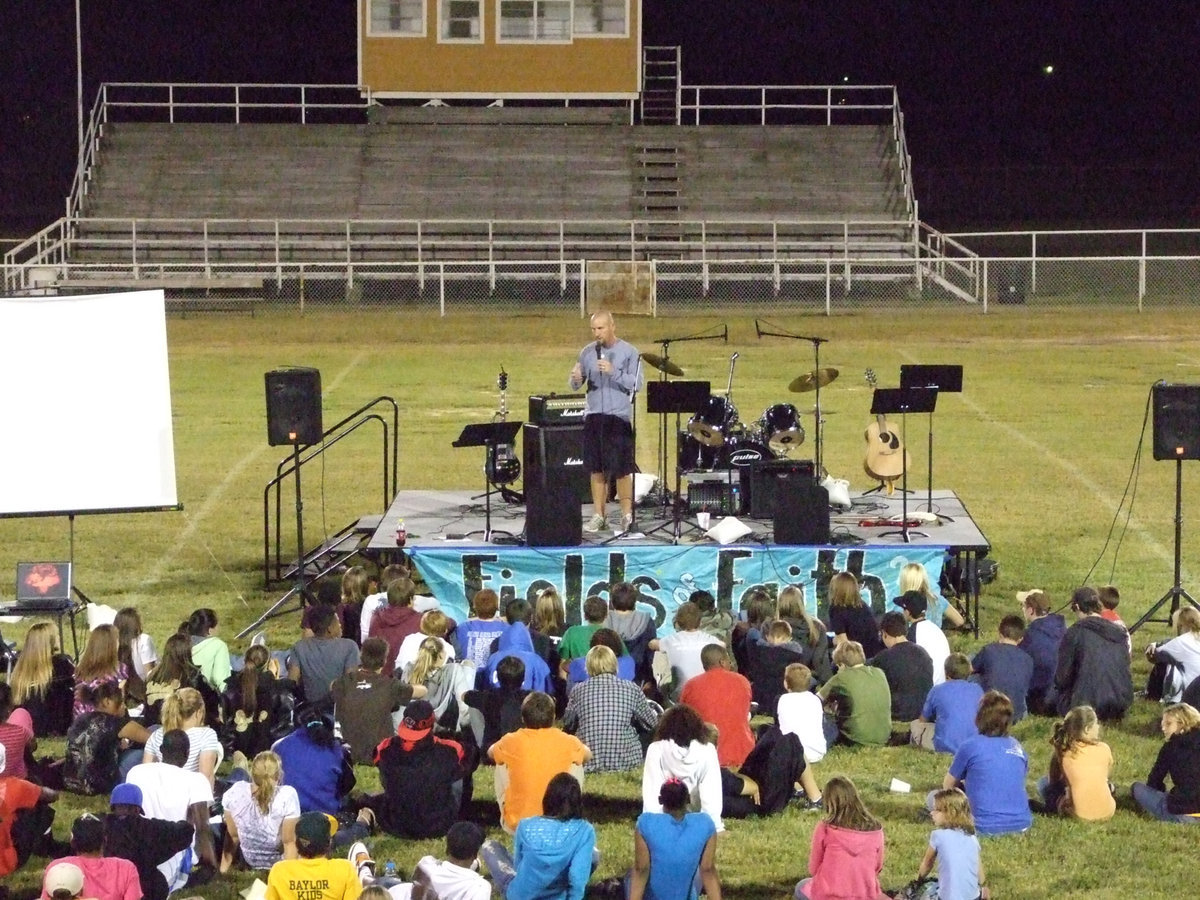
pixel 488 435
pixel 664 398
pixel 903 400
pixel 945 378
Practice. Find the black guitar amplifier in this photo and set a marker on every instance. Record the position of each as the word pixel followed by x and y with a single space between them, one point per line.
pixel 762 485
pixel 557 409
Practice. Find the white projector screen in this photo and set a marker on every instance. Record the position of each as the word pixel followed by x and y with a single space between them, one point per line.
pixel 85 401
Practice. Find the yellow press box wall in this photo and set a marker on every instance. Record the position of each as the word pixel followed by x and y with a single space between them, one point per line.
pixel 427 65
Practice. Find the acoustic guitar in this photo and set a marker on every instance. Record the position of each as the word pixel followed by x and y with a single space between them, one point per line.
pixel 886 456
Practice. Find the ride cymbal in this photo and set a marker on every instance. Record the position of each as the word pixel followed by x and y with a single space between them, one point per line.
pixel 809 381
pixel 662 364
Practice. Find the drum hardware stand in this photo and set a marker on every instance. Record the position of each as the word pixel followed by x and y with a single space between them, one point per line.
pixel 1176 592
pixel 666 368
pixel 489 435
pixel 903 400
pixel 816 378
pixel 947 380
pixel 666 397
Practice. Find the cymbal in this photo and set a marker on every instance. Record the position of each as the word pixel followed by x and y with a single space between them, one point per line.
pixel 662 364
pixel 809 381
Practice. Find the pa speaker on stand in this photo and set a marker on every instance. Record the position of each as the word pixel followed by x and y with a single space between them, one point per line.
pixel 1176 421
pixel 294 407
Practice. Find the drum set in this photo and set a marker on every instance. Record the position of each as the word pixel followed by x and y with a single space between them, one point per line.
pixel 716 438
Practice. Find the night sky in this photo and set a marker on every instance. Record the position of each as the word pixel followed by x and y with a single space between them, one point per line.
pixel 1107 137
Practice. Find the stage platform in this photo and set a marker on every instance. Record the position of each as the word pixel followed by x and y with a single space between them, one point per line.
pixel 445 541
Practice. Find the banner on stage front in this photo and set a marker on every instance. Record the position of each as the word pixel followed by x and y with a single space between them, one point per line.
pixel 666 576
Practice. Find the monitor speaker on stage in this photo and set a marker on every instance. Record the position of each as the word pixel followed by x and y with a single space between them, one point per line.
pixel 553 514
pixel 759 493
pixel 801 512
pixel 294 406
pixel 1176 421
pixel 555 452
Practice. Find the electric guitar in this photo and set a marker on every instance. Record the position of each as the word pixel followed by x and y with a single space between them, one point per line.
pixel 886 456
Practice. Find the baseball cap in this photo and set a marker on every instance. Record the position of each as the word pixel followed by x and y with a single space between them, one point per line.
pixel 417 722
pixel 126 795
pixel 314 830
pixel 913 601
pixel 63 877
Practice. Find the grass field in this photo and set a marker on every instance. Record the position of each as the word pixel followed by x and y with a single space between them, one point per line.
pixel 1042 445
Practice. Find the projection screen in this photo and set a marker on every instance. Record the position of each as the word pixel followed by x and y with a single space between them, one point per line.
pixel 85 398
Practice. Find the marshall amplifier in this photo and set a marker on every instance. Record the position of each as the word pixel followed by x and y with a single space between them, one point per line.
pixel 554 455
pixel 557 409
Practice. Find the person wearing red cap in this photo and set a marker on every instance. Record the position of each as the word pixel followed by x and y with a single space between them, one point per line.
pixel 425 777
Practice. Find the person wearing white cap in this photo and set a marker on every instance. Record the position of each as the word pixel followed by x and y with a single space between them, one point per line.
pixel 64 881
pixel 25 817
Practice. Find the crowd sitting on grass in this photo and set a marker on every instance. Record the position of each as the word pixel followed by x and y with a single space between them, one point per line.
pixel 428 701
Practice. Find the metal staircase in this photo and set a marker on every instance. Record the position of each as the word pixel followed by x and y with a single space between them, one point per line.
pixel 660 86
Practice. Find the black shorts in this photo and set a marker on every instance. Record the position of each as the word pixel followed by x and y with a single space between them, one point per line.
pixel 607 445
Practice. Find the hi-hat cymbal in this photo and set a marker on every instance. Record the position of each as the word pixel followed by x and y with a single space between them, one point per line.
pixel 662 364
pixel 809 381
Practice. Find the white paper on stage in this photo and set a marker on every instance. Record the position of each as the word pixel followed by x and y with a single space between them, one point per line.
pixel 85 398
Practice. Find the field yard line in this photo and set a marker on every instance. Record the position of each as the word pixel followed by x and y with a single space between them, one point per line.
pixel 1089 484
pixel 217 493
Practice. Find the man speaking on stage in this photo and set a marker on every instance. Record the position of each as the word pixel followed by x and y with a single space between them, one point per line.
pixel 612 371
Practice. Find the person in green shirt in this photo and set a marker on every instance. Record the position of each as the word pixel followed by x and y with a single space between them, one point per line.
pixel 577 640
pixel 858 697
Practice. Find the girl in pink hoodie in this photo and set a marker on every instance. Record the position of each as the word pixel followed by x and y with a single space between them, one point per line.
pixel 847 849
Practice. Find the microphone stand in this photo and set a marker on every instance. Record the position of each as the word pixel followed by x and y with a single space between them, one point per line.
pixel 816 342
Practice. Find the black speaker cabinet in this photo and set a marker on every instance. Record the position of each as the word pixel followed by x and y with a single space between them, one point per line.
pixel 555 452
pixel 1176 421
pixel 553 514
pixel 801 511
pixel 294 406
pixel 758 494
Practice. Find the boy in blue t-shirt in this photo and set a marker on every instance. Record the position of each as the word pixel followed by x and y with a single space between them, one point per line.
pixel 1003 666
pixel 948 717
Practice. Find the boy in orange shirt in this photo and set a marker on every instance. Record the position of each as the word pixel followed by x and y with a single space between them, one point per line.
pixel 529 757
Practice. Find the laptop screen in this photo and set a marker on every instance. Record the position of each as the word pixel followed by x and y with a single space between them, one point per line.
pixel 43 582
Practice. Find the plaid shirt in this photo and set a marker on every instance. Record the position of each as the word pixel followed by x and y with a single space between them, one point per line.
pixel 602 712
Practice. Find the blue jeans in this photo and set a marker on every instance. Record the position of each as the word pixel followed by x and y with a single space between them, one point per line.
pixel 1155 803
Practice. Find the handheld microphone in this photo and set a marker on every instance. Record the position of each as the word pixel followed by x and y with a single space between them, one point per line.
pixel 599 347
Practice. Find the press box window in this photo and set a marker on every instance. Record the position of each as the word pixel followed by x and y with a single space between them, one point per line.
pixel 403 17
pixel 601 17
pixel 462 20
pixel 535 20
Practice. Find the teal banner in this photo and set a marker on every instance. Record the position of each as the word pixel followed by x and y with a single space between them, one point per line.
pixel 667 575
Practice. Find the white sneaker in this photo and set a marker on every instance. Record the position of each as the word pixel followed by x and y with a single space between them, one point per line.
pixel 595 523
pixel 360 858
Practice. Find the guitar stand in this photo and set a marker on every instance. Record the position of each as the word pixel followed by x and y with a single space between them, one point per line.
pixel 947 379
pixel 904 400
pixel 488 435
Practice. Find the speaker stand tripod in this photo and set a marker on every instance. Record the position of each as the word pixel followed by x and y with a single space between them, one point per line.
pixel 1176 593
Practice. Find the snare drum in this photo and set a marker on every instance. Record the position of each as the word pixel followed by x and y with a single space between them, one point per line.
pixel 781 428
pixel 711 425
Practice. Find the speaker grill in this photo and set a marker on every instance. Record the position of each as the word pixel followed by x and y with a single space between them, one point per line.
pixel 1176 421
pixel 294 406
